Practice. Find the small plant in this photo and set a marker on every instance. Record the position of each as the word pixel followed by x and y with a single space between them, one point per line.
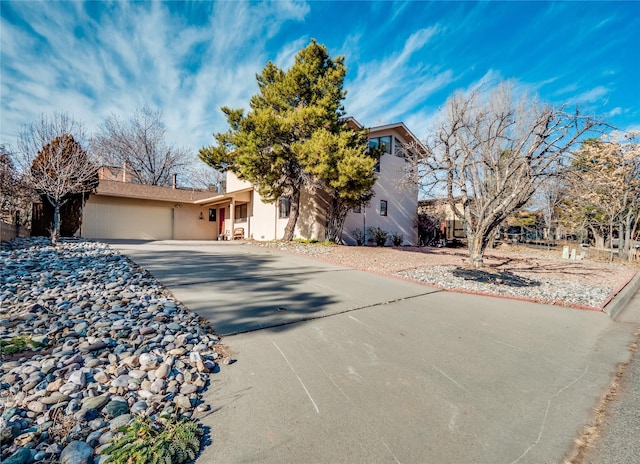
pixel 378 235
pixel 152 442
pixel 397 239
pixel 305 240
pixel 359 235
pixel 17 344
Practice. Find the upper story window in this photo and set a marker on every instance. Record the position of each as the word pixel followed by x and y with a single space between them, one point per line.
pixel 284 207
pixel 383 144
pixel 398 148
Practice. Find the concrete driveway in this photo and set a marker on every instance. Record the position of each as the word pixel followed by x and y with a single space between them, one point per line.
pixel 383 370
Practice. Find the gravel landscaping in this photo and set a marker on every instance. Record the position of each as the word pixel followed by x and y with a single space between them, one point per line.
pixel 90 341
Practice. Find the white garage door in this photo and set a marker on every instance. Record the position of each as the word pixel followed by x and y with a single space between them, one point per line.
pixel 127 222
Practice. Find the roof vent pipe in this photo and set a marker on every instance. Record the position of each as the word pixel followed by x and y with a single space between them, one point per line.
pixel 175 181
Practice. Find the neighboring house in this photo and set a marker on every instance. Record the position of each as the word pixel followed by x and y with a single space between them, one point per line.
pixel 451 226
pixel 121 209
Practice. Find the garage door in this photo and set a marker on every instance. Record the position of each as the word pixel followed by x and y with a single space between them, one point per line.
pixel 127 222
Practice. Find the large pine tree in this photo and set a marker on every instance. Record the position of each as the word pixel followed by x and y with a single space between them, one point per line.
pixel 294 136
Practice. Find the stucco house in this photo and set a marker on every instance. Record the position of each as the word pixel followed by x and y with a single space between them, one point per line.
pixel 120 209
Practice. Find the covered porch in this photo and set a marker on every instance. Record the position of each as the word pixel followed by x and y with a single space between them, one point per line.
pixel 232 212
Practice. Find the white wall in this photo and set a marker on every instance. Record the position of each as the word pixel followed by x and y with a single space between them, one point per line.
pixel 402 201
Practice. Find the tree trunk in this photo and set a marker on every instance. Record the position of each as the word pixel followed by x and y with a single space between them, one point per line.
pixel 335 221
pixel 598 238
pixel 293 216
pixel 477 246
pixel 55 233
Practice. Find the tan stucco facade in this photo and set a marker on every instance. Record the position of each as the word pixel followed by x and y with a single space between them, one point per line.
pixel 107 217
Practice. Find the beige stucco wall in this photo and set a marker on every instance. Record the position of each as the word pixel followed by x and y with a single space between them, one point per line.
pixel 186 224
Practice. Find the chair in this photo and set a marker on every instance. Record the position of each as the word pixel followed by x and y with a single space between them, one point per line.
pixel 238 233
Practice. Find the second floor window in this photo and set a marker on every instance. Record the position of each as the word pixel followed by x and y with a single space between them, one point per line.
pixel 383 144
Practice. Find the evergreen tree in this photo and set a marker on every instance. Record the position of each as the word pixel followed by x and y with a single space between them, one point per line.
pixel 281 144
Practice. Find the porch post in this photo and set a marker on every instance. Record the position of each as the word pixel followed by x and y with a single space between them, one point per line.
pixel 232 217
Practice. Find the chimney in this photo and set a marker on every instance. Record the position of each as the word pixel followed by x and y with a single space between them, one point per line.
pixel 175 181
pixel 124 171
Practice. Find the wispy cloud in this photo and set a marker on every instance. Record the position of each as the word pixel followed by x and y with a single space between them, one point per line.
pixel 387 89
pixel 93 60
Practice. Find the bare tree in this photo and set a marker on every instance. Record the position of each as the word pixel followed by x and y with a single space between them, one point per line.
pixel 491 151
pixel 202 177
pixel 139 144
pixel 59 165
pixel 548 198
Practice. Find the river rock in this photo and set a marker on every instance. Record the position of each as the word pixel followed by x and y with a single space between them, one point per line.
pixel 77 452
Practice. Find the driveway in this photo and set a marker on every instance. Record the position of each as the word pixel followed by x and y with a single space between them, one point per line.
pixel 381 370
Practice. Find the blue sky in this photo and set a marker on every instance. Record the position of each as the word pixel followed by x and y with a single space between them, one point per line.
pixel 404 59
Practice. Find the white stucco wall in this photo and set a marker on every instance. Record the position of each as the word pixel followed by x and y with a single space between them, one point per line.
pixel 402 201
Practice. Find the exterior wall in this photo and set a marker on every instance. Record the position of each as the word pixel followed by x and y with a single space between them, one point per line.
pixel 312 221
pixel 265 224
pixel 233 183
pixel 402 201
pixel 187 224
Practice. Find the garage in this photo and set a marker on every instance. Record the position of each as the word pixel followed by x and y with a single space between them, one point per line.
pixel 127 221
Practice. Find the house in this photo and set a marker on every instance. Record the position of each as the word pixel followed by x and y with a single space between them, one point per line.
pixel 120 209
pixel 393 207
pixel 450 226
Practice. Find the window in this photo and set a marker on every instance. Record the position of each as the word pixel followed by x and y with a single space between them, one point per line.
pixel 399 150
pixel 284 207
pixel 241 211
pixel 383 207
pixel 383 144
pixel 212 215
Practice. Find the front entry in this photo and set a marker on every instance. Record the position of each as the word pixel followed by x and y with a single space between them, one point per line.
pixel 221 222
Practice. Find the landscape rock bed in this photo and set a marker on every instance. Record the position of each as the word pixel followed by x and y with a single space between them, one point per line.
pixel 112 344
pixel 544 290
pixel 535 274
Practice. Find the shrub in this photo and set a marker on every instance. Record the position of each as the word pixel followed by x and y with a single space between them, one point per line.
pixel 17 344
pixel 307 241
pixel 359 235
pixel 146 441
pixel 397 239
pixel 378 235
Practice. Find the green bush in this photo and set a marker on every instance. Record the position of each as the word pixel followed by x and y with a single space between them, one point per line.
pixel 359 235
pixel 154 442
pixel 397 239
pixel 378 235
pixel 17 344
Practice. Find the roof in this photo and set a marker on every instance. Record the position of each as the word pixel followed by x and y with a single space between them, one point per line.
pixel 398 126
pixel 114 188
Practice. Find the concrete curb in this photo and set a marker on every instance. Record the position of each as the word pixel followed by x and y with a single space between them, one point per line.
pixel 620 300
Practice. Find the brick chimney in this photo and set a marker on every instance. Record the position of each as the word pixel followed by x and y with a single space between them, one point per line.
pixel 175 181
